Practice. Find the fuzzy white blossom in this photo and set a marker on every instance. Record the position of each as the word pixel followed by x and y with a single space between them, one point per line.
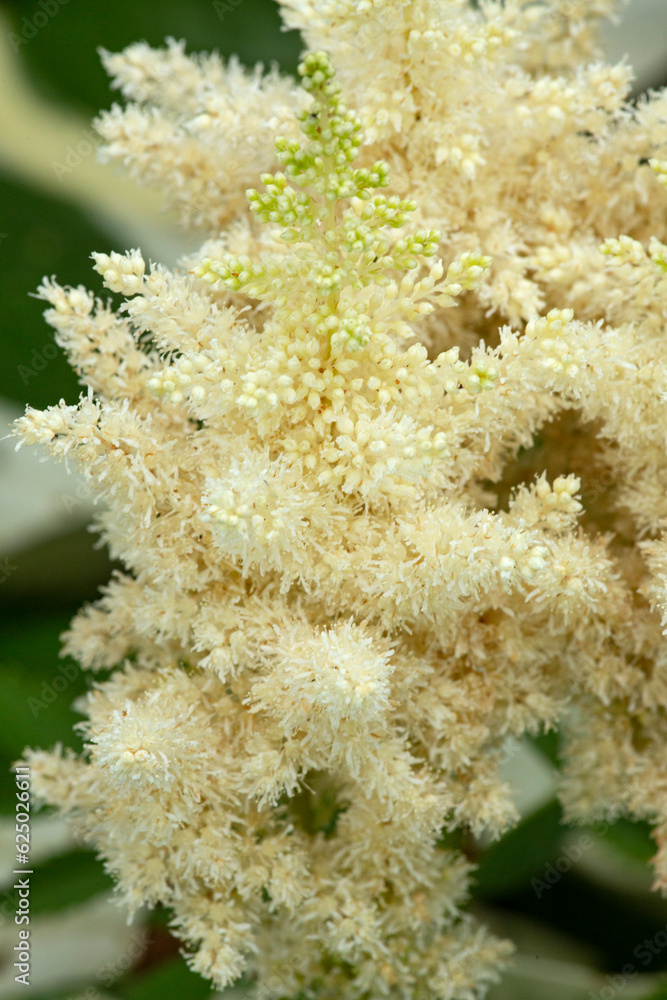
pixel 385 465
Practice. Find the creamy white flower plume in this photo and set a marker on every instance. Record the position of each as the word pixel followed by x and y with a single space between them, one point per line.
pixel 385 466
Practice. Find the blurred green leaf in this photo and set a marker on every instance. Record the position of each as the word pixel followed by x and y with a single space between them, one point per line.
pixel 65 880
pixel 549 745
pixel 159 916
pixel 632 838
pixel 659 994
pixel 510 863
pixel 64 571
pixel 37 692
pixel 62 56
pixel 170 979
pixel 40 235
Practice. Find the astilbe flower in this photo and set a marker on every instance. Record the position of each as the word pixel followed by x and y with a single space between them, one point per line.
pixel 368 537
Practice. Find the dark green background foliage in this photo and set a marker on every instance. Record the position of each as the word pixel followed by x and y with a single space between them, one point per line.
pixel 43 235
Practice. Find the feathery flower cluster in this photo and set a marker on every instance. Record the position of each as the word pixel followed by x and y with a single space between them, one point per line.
pixel 368 536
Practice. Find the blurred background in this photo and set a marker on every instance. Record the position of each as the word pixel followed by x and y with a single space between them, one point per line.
pixel 577 902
